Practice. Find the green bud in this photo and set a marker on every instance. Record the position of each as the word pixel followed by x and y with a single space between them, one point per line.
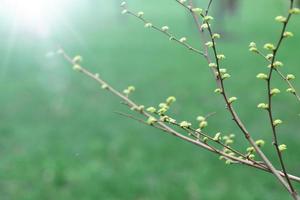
pixel 288 34
pixel 197 10
pixel 275 91
pixel 151 120
pixel 204 26
pixel 182 40
pixel 228 162
pixel 269 56
pixel 221 56
pixel 281 19
pixel 185 124
pixel 148 25
pixel 282 147
pixel 140 14
pixel 277 122
pixel 170 100
pixel 208 18
pixel 201 118
pixel 262 76
pixel 77 67
pixel 209 44
pixel 290 77
pixel 216 36
pixel 260 143
pixel 217 137
pixel 252 44
pixel 104 86
pixel 277 64
pixel 232 99
pixel 203 124
pixel 165 28
pixel 218 90
pixel 212 65
pixel 77 59
pixel 250 150
pixel 151 109
pixel 294 11
pixel 291 90
pixel 269 46
pixel 263 106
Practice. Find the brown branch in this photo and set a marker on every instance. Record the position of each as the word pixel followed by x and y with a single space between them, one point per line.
pixel 233 113
pixel 269 109
pixel 162 126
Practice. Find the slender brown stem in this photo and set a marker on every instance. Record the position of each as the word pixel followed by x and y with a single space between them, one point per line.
pixel 270 108
pixel 162 126
pixel 233 113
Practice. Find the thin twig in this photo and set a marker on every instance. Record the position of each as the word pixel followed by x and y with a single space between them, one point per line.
pixel 269 109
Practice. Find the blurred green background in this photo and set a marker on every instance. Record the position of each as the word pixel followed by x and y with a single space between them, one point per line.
pixel 60 137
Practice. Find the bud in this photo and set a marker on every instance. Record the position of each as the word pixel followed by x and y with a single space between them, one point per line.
pixel 123 4
pixel 203 124
pixel 269 46
pixel 151 120
pixel 252 44
pixel 217 137
pixel 216 36
pixel 165 28
pixel 77 59
pixel 209 44
pixel 232 99
pixel 282 147
pixel 131 88
pixel 140 14
pixel 277 64
pixel 204 26
pixel 124 11
pixel 253 49
pixel 290 77
pixel 148 25
pixel 281 19
pixel 170 100
pixel 208 18
pixel 260 143
pixel 291 90
pixel 269 56
pixel 221 56
pixel 182 40
pixel 185 124
pixel 225 76
pixel 104 86
pixel 263 106
pixel 250 150
pixel 212 65
pixel 277 122
pixel 218 90
pixel 288 34
pixel 151 109
pixel 294 11
pixel 262 76
pixel 197 10
pixel 77 67
pixel 275 91
pixel 201 118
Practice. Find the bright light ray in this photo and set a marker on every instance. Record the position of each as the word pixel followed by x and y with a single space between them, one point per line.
pixel 35 16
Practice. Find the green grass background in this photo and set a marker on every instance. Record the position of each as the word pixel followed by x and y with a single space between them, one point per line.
pixel 59 135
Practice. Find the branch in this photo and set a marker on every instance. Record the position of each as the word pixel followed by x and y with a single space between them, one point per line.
pixel 232 111
pixel 159 124
pixel 273 122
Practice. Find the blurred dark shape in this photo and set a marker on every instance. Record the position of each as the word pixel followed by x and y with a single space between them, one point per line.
pixel 223 9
